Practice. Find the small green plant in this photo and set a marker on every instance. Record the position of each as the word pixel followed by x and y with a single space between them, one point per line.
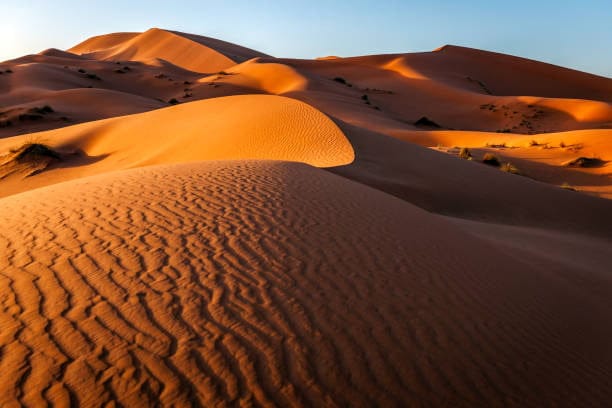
pixel 491 160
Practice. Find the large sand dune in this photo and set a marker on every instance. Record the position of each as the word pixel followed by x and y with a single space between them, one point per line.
pixel 234 127
pixel 244 283
pixel 196 53
pixel 189 222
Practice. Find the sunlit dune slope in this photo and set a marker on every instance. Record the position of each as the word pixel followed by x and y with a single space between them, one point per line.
pixel 259 283
pixel 236 127
pixel 194 53
pixel 501 74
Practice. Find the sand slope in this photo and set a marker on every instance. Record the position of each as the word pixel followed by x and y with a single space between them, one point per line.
pixel 194 53
pixel 236 127
pixel 207 284
pixel 193 255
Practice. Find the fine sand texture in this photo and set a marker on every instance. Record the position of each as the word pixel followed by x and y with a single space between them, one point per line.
pixel 186 222
pixel 243 283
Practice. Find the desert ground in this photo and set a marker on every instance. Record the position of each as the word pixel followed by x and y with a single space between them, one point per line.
pixel 189 222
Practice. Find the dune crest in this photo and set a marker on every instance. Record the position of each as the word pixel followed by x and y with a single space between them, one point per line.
pixel 235 127
pixel 183 51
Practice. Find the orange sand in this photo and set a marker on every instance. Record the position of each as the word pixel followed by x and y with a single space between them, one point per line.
pixel 289 234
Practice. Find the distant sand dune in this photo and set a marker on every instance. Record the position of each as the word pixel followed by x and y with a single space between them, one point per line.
pixel 187 51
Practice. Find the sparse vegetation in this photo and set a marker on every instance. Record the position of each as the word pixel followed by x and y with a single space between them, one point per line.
pixel 491 160
pixel 93 76
pixel 496 145
pixel 562 145
pixel 510 168
pixel 567 186
pixel 465 153
pixel 173 101
pixel 586 162
pixel 32 152
pixel 8 71
pixel 43 110
pixel 533 143
pixel 366 99
pixel 81 70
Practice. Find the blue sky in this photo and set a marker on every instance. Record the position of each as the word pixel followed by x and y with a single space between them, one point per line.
pixel 576 34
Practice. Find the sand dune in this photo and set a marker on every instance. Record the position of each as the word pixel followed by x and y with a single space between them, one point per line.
pixel 236 127
pixel 168 240
pixel 194 53
pixel 158 286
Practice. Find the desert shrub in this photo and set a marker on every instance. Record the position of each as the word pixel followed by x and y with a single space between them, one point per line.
pixel 567 186
pixel 81 70
pixel 510 168
pixel 8 71
pixel 34 153
pixel 465 153
pixel 561 144
pixel 93 76
pixel 173 101
pixel 120 71
pixel 340 80
pixel 533 143
pixel 42 110
pixel 586 162
pixel 491 160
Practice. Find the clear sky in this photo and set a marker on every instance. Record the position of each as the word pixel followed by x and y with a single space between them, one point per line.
pixel 576 34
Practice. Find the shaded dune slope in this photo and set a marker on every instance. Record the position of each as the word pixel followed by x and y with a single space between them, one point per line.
pixel 242 283
pixel 195 53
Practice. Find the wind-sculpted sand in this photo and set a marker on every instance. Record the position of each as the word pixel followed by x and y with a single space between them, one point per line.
pixel 242 283
pixel 235 127
pixel 189 222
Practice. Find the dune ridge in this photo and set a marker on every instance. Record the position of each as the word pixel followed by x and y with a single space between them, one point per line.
pixel 194 53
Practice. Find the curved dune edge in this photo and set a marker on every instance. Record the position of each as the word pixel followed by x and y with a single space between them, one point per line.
pixel 264 127
pixel 207 282
pixel 180 49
